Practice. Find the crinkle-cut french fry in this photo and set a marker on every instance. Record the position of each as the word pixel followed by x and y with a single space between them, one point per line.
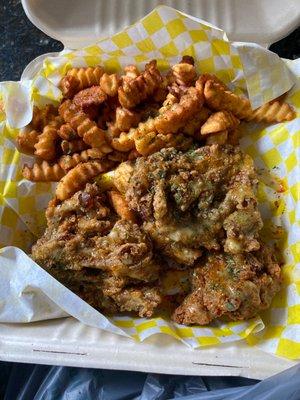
pixel 86 128
pixel 184 73
pixel 80 78
pixel 193 126
pixel 43 116
pixel 152 141
pixel 45 146
pixel 203 78
pixel 219 121
pixel 178 114
pixel 66 132
pixel 217 138
pixel 168 102
pixel 274 111
pixel 126 119
pixel 73 146
pixel 43 172
pixel 120 206
pixel 68 162
pixel 110 84
pixel 125 142
pixel 131 72
pixel 77 177
pixel 134 91
pixel 27 139
pixel 219 99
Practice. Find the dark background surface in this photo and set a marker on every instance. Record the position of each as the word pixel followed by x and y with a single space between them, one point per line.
pixel 21 42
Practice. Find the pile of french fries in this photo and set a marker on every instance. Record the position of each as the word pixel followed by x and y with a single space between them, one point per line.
pixel 105 119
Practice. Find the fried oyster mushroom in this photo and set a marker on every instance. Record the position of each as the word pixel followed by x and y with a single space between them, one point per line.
pixel 106 260
pixel 201 199
pixel 236 286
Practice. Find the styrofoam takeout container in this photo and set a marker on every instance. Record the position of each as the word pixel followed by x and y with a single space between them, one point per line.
pixel 67 341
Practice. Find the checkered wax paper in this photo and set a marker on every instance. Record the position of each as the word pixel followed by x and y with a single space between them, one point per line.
pixel 166 34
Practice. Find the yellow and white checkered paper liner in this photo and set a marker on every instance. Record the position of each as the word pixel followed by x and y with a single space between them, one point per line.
pixel 166 34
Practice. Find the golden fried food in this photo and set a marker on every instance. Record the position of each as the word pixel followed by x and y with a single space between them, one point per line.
pixel 274 111
pixel 203 78
pixel 175 192
pixel 126 119
pixel 43 172
pixel 151 142
pixel 234 286
pixel 217 138
pixel 68 162
pixel 73 146
pixel 79 176
pixel 190 201
pixel 45 145
pixel 219 99
pixel 120 206
pixel 174 118
pixel 27 139
pixel 219 121
pixel 134 91
pixel 85 237
pixel 185 74
pixel 192 127
pixel 86 128
pixel 66 132
pixel 131 72
pixel 110 84
pixel 43 116
pixel 77 79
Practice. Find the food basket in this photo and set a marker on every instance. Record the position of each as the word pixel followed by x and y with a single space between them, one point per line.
pixel 68 342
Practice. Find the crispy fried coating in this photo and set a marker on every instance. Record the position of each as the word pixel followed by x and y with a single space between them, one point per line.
pixel 43 172
pixel 174 118
pixel 68 162
pixel 45 145
pixel 110 84
pixel 134 91
pixel 274 111
pixel 219 121
pixel 192 127
pixel 234 286
pixel 86 128
pixel 122 176
pixel 77 177
pixel 131 72
pixel 77 79
pixel 217 138
pixel 43 116
pixel 219 99
pixel 126 119
pixel 26 140
pixel 151 142
pixel 66 132
pixel 73 146
pixel 203 78
pixel 185 74
pixel 120 206
pixel 187 200
pixel 90 250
